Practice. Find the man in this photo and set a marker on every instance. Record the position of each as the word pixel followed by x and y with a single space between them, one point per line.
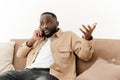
pixel 51 52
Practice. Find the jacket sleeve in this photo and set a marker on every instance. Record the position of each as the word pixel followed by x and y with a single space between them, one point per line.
pixel 82 48
pixel 23 50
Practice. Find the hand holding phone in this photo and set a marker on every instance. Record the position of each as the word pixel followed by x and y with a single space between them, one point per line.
pixel 36 36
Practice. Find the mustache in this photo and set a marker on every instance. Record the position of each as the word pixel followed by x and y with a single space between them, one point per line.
pixel 44 28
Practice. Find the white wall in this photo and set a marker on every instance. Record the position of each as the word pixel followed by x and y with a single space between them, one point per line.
pixel 19 18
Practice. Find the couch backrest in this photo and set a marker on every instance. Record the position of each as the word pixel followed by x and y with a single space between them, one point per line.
pixel 108 49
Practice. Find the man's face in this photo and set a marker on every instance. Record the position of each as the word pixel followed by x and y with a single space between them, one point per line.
pixel 48 24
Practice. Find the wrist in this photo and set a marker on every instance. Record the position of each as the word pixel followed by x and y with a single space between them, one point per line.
pixel 90 38
pixel 30 42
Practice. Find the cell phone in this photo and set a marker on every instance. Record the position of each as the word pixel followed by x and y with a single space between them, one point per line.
pixel 43 34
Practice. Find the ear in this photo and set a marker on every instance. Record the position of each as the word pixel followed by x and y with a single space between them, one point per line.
pixel 57 23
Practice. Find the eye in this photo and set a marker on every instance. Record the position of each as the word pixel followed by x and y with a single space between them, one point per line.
pixel 49 22
pixel 41 23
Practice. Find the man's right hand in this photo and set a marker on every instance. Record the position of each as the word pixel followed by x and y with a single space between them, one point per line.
pixel 36 35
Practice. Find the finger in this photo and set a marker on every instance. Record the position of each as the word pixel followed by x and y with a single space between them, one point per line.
pixel 41 33
pixel 89 27
pixel 95 23
pixel 85 28
pixel 94 26
pixel 82 31
pixel 83 36
pixel 37 33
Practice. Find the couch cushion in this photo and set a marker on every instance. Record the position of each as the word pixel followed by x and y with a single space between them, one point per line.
pixel 6 56
pixel 108 49
pixel 101 70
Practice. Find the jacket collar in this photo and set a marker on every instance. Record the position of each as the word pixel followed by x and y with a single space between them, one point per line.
pixel 58 33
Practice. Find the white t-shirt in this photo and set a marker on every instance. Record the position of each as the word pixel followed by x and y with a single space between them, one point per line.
pixel 44 58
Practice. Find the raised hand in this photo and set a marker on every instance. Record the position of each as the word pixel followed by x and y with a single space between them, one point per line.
pixel 36 35
pixel 88 31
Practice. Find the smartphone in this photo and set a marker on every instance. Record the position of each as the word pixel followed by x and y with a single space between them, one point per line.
pixel 43 34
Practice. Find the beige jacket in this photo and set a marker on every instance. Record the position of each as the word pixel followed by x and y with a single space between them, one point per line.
pixel 64 47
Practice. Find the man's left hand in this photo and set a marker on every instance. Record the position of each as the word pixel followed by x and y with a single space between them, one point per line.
pixel 88 31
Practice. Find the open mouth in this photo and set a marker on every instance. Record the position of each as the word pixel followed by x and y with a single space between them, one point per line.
pixel 46 31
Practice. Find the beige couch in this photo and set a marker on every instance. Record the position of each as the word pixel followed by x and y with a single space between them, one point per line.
pixel 108 49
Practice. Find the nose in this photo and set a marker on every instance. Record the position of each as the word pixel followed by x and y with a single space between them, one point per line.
pixel 44 26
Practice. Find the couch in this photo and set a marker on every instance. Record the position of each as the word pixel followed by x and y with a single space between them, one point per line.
pixel 108 49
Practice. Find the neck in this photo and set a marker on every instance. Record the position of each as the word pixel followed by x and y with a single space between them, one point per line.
pixel 53 32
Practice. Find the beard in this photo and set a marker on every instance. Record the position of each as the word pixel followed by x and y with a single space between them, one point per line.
pixel 51 32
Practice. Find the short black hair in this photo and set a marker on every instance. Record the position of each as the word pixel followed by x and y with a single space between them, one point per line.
pixel 52 14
